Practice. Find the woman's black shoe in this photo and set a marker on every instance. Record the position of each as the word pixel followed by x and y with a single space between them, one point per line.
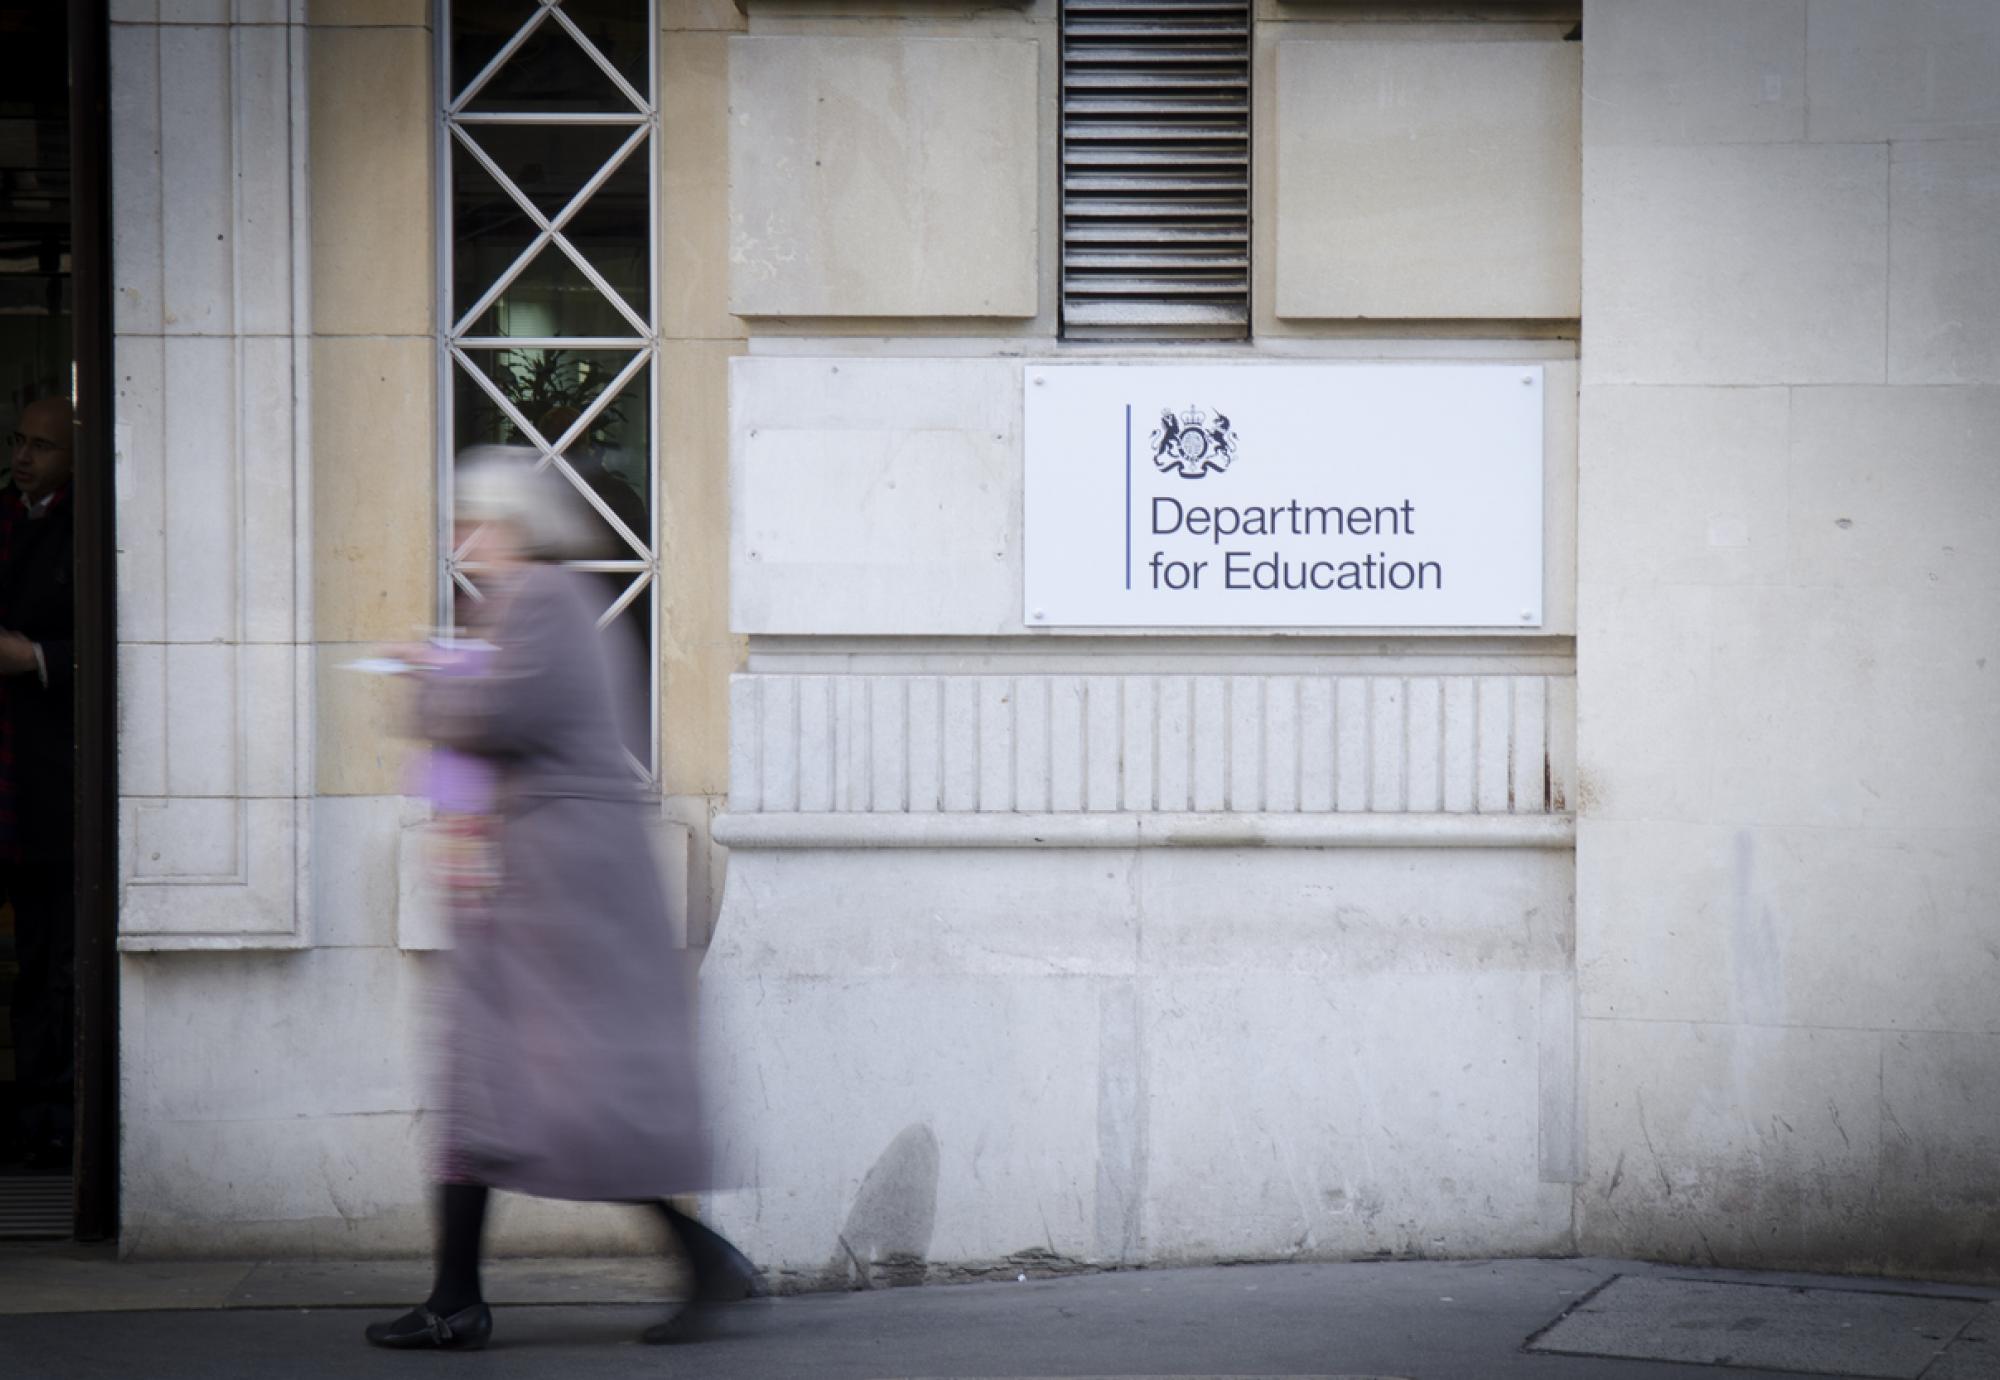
pixel 420 1328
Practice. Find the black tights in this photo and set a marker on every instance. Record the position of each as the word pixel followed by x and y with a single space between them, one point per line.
pixel 462 1228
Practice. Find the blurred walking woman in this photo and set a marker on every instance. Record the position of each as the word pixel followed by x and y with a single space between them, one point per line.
pixel 567 1059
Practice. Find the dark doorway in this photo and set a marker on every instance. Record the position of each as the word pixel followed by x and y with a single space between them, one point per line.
pixel 56 795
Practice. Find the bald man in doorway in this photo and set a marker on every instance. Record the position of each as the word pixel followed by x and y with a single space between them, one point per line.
pixel 38 772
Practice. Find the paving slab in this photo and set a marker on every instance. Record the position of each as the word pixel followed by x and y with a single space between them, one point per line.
pixel 67 1279
pixel 1824 1331
pixel 1975 1355
pixel 400 1283
pixel 1401 1320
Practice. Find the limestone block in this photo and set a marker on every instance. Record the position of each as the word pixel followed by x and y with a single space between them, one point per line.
pixel 1858 708
pixel 875 496
pixel 356 870
pixel 1878 928
pixel 1695 72
pixel 956 1118
pixel 374 488
pixel 1944 262
pixel 202 170
pixel 361 725
pixel 140 471
pixel 241 853
pixel 137 265
pixel 1228 912
pixel 368 13
pixel 1685 486
pixel 1941 1100
pixel 845 990
pixel 697 649
pixel 1027 928
pixel 884 176
pixel 210 484
pixel 1560 402
pixel 334 1187
pixel 327 1032
pixel 1896 488
pixel 142 743
pixel 1736 264
pixel 1922 69
pixel 1782 1169
pixel 421 922
pixel 1644 680
pixel 222 722
pixel 372 127
pixel 197 194
pixel 694 186
pixel 1427 180
pixel 1321 1176
pixel 327 1186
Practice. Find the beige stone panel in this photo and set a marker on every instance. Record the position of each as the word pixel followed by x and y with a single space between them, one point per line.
pixel 359 741
pixel 1732 1145
pixel 1854 708
pixel 1427 180
pixel 697 650
pixel 1735 264
pixel 369 13
pixel 372 127
pixel 1916 69
pixel 1859 928
pixel 694 187
pixel 374 488
pixel 1645 695
pixel 1944 262
pixel 1695 72
pixel 684 15
pixel 1685 485
pixel 1897 488
pixel 884 176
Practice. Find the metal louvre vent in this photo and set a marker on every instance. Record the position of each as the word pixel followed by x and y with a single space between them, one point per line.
pixel 1156 168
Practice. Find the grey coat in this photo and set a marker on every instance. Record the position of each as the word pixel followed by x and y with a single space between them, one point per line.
pixel 569 1053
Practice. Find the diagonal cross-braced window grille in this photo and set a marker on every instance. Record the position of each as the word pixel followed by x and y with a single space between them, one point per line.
pixel 1156 168
pixel 549 302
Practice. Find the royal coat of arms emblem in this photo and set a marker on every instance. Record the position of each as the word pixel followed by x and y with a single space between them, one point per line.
pixel 1192 445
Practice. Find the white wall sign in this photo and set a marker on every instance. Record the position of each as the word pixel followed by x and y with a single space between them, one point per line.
pixel 1283 495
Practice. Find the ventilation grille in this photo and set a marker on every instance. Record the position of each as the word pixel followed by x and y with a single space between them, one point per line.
pixel 35 1206
pixel 1156 168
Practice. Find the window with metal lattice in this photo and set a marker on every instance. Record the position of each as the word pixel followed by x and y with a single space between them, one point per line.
pixel 1156 168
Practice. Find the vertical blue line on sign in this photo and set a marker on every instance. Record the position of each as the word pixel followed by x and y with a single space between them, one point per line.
pixel 1128 497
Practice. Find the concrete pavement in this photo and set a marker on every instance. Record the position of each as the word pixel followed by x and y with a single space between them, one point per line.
pixel 71 1314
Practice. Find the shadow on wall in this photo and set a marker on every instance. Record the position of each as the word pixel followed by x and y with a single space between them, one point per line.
pixel 887 1240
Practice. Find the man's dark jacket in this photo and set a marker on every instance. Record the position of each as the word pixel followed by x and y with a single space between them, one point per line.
pixel 38 600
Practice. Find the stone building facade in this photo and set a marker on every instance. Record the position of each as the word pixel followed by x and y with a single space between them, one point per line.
pixel 1665 926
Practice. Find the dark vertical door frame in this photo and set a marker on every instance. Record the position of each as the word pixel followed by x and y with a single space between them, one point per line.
pixel 96 626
